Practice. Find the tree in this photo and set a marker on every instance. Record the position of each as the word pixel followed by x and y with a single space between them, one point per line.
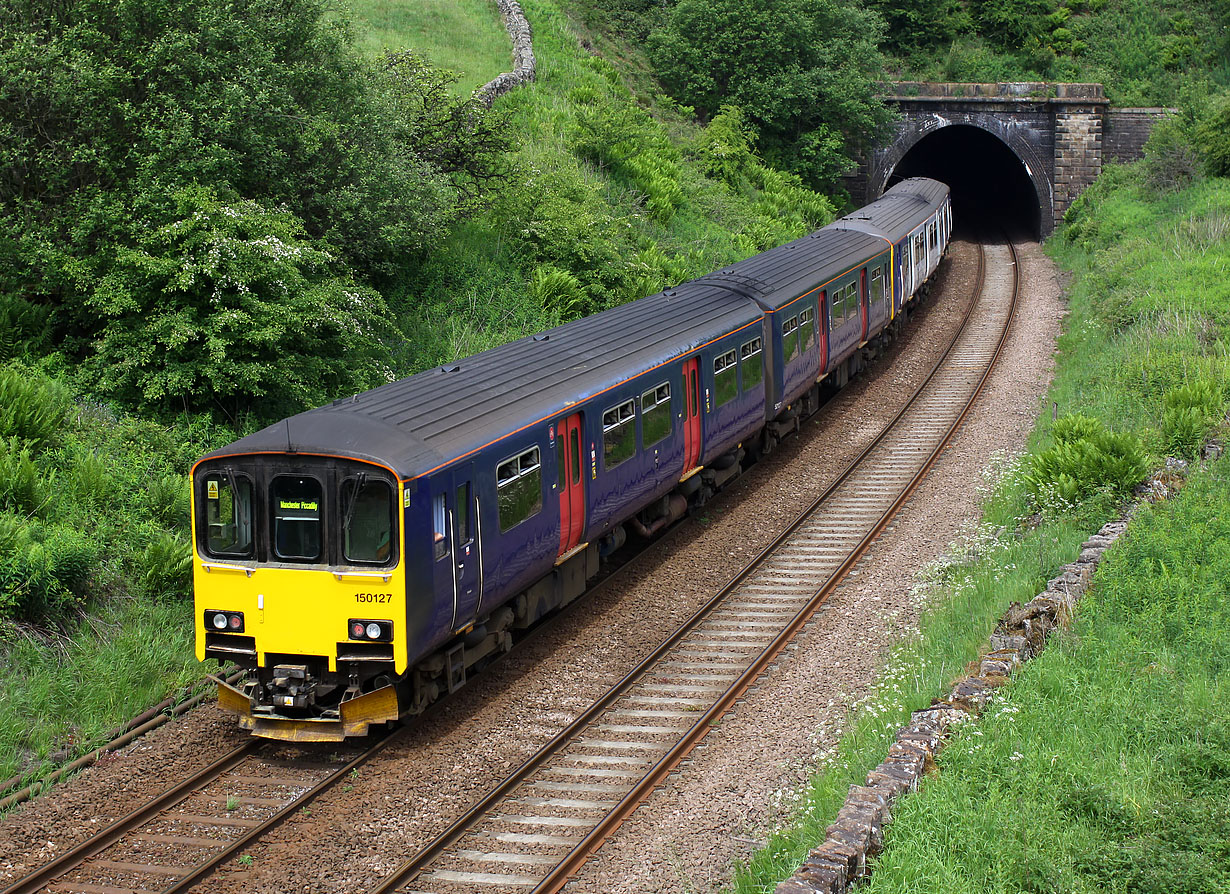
pixel 801 70
pixel 113 111
pixel 921 24
pixel 231 307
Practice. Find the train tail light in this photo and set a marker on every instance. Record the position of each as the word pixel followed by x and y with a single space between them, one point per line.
pixel 372 631
pixel 224 621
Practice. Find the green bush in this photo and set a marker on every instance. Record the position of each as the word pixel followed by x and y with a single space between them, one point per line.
pixel 33 406
pixel 167 499
pixel 1085 460
pixel 22 488
pixel 230 306
pixel 793 67
pixel 1213 138
pixel 1190 414
pixel 43 569
pixel 166 567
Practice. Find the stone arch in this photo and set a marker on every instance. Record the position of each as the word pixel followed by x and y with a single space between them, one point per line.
pixel 1013 133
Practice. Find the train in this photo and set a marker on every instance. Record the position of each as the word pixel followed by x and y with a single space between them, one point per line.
pixel 358 561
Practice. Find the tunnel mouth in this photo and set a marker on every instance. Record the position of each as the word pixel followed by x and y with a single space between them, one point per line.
pixel 991 190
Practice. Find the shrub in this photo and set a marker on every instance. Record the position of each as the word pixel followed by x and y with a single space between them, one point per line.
pixel 1086 461
pixel 21 487
pixel 558 292
pixel 1213 138
pixel 166 567
pixel 33 406
pixel 1190 413
pixel 43 570
pixel 1171 159
pixel 230 306
pixel 166 496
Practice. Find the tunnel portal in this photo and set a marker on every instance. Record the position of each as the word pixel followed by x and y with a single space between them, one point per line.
pixel 991 187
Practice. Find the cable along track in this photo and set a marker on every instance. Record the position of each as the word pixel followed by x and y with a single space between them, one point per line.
pixel 535 830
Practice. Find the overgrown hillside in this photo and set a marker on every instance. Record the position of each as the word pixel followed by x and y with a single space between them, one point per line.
pixel 215 215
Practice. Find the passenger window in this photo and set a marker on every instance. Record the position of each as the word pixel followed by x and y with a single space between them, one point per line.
pixel 725 387
pixel 790 339
pixel 367 520
pixel 752 359
pixel 877 284
pixel 805 328
pixel 296 518
pixel 656 414
pixel 519 488
pixel 228 515
pixel 618 434
pixel 439 525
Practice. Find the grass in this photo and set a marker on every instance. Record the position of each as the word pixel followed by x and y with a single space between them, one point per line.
pixel 1105 765
pixel 464 36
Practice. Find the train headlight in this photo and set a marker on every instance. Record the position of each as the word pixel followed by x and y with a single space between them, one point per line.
pixel 224 621
pixel 374 631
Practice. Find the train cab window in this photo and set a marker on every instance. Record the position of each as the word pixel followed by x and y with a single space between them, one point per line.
pixel 228 515
pixel 439 527
pixel 805 328
pixel 725 385
pixel 790 339
pixel 367 520
pixel 296 518
pixel 877 284
pixel 618 434
pixel 656 414
pixel 519 488
pixel 752 360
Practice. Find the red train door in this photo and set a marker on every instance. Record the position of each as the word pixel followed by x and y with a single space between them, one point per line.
pixel 571 483
pixel 691 422
pixel 863 300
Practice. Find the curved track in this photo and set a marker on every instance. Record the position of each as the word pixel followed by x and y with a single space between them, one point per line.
pixel 535 830
pixel 538 827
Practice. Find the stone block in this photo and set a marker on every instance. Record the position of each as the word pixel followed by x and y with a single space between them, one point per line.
pixel 1090 556
pixel 890 784
pixel 1014 641
pixel 853 860
pixel 824 877
pixel 797 886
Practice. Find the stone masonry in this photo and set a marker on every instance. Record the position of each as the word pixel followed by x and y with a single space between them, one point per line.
pixel 1056 130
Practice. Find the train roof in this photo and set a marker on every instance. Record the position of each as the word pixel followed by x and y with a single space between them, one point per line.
pixel 900 210
pixel 779 275
pixel 415 425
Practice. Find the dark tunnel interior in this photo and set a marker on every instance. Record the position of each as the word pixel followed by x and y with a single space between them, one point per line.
pixel 990 188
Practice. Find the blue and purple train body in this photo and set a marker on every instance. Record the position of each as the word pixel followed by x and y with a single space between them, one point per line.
pixel 359 559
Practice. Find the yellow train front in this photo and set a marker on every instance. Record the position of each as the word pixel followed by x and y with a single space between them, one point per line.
pixel 299 581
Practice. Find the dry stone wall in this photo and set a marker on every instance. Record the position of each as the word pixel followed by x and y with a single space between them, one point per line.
pixel 524 63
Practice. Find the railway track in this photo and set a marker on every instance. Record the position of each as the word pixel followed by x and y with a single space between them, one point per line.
pixel 537 828
pixel 188 832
